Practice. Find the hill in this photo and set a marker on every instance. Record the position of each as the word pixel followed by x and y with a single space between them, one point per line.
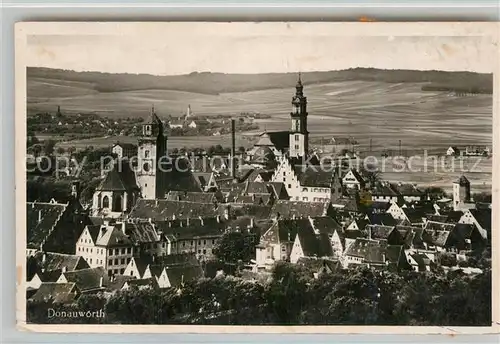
pixel 217 83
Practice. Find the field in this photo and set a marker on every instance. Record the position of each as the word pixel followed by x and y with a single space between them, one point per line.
pixel 375 111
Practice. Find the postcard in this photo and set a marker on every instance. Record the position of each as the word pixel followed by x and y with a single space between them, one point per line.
pixel 218 177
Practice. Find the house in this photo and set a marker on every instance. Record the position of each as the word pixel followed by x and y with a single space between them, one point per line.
pixel 383 219
pixel 162 209
pixel 408 192
pixel 176 123
pixel 453 151
pixel 48 266
pixel 320 266
pixel 353 180
pixel 357 224
pixel 420 261
pixel 106 247
pixel 383 192
pixel 297 209
pixel 308 183
pixel 62 293
pixel 88 281
pixel 277 242
pixel 149 283
pixel 202 197
pixel 481 218
pixel 53 226
pixel 477 150
pixel 117 192
pixel 375 253
pixel 124 150
pixel 387 233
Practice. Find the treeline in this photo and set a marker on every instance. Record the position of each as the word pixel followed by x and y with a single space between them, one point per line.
pixel 294 297
pixel 215 83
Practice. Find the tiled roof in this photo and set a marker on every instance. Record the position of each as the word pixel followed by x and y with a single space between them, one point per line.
pixel 379 232
pixel 414 215
pixel 163 209
pixel 112 237
pixel 483 217
pixel 88 279
pixel 384 219
pixel 194 229
pixel 146 282
pixel 372 251
pixel 201 197
pixel 41 218
pixel 439 226
pixel 178 275
pixel 319 265
pixel 313 176
pixel 383 189
pixel 436 237
pixel 140 232
pixel 117 282
pixel 49 261
pixel 412 236
pixel 290 209
pixel 314 245
pixel 94 231
pixel 407 189
pixel 57 292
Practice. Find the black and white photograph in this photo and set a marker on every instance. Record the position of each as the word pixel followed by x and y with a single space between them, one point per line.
pixel 256 174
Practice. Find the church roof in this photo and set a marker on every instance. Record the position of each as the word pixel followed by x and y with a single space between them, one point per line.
pixel 279 139
pixel 119 178
pixel 463 181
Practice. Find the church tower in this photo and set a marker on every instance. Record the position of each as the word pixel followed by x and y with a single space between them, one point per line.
pixel 152 159
pixel 299 136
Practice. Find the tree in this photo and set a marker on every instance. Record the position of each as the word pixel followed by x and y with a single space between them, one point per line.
pixel 434 193
pixel 236 246
pixel 370 173
pixel 48 147
pixel 482 197
pixel 71 150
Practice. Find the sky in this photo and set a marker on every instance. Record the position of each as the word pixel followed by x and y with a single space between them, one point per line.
pixel 173 52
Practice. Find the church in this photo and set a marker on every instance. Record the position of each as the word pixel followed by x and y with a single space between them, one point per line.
pixel 287 154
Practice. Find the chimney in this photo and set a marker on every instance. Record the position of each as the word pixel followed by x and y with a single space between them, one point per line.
pixel 201 221
pixel 251 222
pixel 233 148
pixel 106 222
pixel 39 216
pixel 101 282
pixel 187 222
pixel 124 226
pixel 44 258
pixel 64 269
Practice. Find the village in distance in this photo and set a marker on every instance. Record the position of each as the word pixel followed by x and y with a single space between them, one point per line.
pixel 267 227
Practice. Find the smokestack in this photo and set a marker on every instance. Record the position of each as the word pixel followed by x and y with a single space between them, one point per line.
pixel 233 147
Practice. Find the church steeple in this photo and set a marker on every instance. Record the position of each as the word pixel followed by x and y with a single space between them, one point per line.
pixel 299 136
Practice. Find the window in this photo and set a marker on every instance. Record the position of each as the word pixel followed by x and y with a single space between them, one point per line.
pixel 289 186
pixel 90 260
pixel 199 242
pixel 128 260
pixel 305 199
pixel 146 153
pixel 284 174
pixel 296 137
pixel 87 249
pixel 90 250
pixel 192 242
pixel 163 245
pixel 110 262
pixel 204 251
pixel 204 242
pixel 129 250
pixel 213 242
pixel 123 250
pixel 184 244
pixel 105 202
pixel 116 262
pixel 122 261
pixel 122 271
pixel 131 273
pixel 296 146
pixel 199 251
